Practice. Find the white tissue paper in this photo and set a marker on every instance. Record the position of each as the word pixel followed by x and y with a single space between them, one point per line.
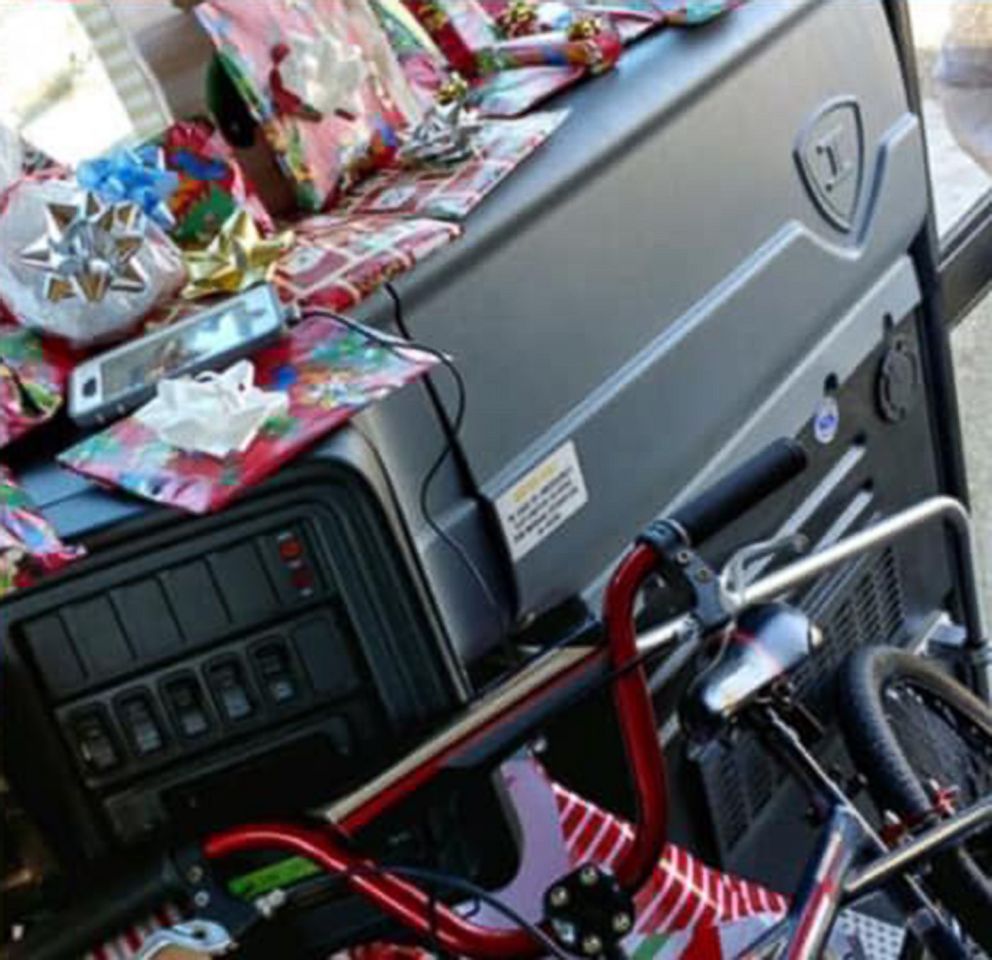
pixel 212 413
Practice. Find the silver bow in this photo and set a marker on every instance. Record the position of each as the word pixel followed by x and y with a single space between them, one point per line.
pixel 89 249
pixel 447 134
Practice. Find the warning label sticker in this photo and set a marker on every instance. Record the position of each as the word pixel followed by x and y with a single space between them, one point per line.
pixel 538 504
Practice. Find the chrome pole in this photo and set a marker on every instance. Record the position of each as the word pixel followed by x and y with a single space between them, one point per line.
pixel 880 534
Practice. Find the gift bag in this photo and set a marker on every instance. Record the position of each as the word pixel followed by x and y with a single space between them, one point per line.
pixel 29 547
pixel 329 372
pixel 323 83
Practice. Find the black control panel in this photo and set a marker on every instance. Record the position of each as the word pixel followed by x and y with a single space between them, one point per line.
pixel 253 663
pixel 181 608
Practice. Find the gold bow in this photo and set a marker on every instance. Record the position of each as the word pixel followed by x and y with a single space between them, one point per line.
pixel 236 259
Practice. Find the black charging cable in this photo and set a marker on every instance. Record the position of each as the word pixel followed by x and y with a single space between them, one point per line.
pixel 451 427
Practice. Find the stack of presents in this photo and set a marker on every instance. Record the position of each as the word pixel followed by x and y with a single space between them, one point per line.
pixel 388 121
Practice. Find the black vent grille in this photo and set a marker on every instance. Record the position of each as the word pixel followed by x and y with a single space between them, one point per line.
pixel 863 605
pixel 867 610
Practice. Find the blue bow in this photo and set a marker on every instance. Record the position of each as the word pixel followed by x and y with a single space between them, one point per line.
pixel 138 176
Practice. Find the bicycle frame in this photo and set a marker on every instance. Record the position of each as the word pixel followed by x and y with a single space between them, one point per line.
pixel 516 701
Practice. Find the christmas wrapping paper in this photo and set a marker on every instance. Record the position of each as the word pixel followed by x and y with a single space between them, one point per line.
pixel 33 374
pixel 451 191
pixel 340 260
pixel 29 547
pixel 329 371
pixel 516 92
pixel 211 187
pixel 323 83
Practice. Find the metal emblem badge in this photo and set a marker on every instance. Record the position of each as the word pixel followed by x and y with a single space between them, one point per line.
pixel 830 154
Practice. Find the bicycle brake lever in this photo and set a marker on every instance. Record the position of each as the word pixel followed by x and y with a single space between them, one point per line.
pixel 221 922
pixel 195 938
pixel 737 573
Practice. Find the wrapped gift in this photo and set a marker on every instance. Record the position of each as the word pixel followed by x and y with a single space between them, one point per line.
pixel 590 43
pixel 29 547
pixel 77 267
pixel 323 83
pixel 340 260
pixel 329 371
pixel 211 187
pixel 460 28
pixel 474 45
pixel 518 18
pixel 422 62
pixel 33 375
pixel 510 93
pixel 451 191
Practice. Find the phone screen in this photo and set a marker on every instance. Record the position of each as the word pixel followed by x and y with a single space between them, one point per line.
pixel 144 364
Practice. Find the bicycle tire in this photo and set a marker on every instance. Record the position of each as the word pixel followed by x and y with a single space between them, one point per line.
pixel 906 721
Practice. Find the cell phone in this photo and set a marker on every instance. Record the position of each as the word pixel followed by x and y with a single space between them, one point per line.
pixel 115 383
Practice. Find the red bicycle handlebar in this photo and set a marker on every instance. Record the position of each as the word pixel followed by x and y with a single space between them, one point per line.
pixel 411 906
pixel 400 899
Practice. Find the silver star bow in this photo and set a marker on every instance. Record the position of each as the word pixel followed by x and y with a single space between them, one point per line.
pixel 89 249
pixel 446 134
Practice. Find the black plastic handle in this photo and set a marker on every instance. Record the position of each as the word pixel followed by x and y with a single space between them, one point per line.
pixel 741 489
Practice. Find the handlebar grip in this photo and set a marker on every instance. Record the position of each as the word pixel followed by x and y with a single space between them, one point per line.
pixel 745 487
pixel 127 897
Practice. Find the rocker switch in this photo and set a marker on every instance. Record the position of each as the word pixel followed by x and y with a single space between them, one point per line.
pixel 142 727
pixel 230 691
pixel 276 673
pixel 95 743
pixel 188 709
